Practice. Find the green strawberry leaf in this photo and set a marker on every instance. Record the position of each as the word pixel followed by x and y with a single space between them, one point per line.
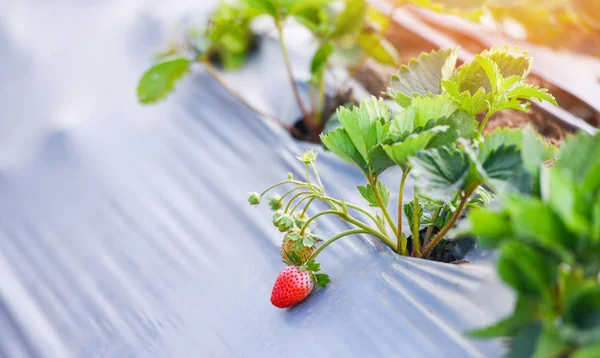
pixel 322 279
pixel 160 79
pixel 535 222
pixel 535 152
pixel 364 124
pixel 524 343
pixel 338 141
pixel 489 226
pixel 400 152
pixel 525 269
pixel 433 107
pixel 441 172
pixel 319 61
pixel 461 125
pixel 470 103
pixel 369 195
pixel 580 166
pixel 422 76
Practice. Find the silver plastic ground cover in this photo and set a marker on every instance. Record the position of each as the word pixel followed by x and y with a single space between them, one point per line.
pixel 125 232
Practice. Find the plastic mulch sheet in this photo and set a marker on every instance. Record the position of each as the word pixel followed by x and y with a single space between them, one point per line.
pixel 125 231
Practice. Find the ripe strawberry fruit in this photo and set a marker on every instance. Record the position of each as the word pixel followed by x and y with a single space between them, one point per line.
pixel 292 286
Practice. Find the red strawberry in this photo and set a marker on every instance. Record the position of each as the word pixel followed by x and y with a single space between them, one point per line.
pixel 293 285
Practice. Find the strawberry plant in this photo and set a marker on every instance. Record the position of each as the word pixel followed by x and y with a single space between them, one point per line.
pixel 347 33
pixel 435 138
pixel 549 243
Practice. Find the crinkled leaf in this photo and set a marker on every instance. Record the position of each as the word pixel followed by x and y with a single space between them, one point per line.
pixel 433 107
pixel 461 125
pixel 524 91
pixel 369 195
pixel 400 152
pixel 160 79
pixel 364 124
pixel 422 76
pixel 378 48
pixel 526 269
pixel 440 172
pixel 470 103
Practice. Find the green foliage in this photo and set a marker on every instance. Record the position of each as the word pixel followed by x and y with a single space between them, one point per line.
pixel 369 195
pixel 160 79
pixel 549 252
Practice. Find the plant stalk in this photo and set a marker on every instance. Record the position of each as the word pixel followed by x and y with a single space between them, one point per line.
pixel 288 65
pixel 287 207
pixel 429 231
pixel 401 246
pixel 415 227
pixel 485 120
pixel 440 235
pixel 335 238
pixel 386 214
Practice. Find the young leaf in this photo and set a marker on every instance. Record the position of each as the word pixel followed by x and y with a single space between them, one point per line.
pixel 339 142
pixel 422 76
pixel 369 195
pixel 159 80
pixel 319 60
pixel 400 152
pixel 441 172
pixel 364 124
pixel 433 107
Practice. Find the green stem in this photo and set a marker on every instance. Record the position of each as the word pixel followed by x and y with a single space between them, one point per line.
pixel 300 202
pixel 326 212
pixel 288 65
pixel 307 177
pixel 440 235
pixel 290 191
pixel 294 197
pixel 276 185
pixel 401 246
pixel 318 178
pixel 434 216
pixel 386 240
pixel 484 122
pixel 386 214
pixel 415 228
pixel 321 99
pixel 335 238
pixel 307 205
